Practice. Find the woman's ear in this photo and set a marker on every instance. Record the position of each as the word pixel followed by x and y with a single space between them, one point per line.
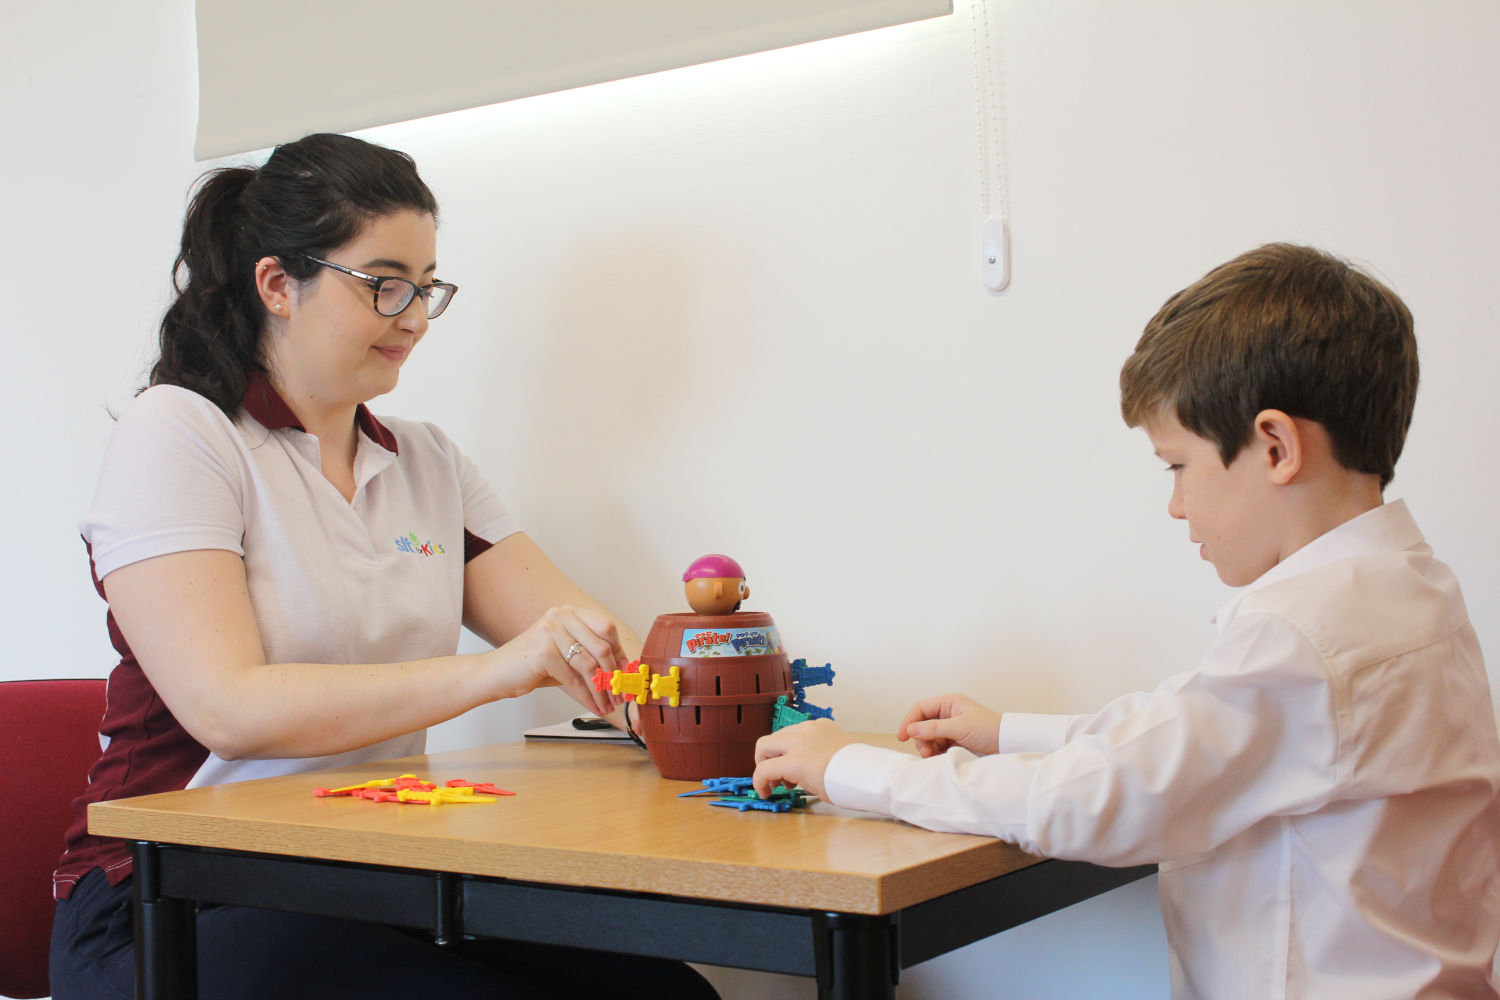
pixel 273 285
pixel 1279 437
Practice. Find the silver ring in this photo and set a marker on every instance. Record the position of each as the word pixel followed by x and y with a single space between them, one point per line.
pixel 573 651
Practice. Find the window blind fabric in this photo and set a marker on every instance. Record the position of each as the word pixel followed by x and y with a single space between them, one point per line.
pixel 278 69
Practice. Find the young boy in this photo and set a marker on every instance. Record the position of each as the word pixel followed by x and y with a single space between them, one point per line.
pixel 1323 792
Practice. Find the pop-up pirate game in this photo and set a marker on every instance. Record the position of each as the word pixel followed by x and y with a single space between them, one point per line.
pixel 711 683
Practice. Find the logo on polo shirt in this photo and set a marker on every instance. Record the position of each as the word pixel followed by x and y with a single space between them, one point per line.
pixel 411 543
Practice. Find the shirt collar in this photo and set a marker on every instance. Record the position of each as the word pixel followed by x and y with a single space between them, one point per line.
pixel 1389 527
pixel 265 404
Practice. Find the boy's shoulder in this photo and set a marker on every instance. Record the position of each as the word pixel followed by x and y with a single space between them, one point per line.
pixel 1365 607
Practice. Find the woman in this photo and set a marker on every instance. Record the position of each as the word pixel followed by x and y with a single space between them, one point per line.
pixel 286 575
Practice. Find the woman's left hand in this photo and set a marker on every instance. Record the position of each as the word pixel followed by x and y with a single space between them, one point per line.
pixel 515 598
pixel 565 647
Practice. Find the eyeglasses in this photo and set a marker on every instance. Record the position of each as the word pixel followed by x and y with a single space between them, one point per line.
pixel 393 295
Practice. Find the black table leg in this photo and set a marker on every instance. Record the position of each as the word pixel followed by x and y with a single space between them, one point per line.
pixel 857 957
pixel 166 935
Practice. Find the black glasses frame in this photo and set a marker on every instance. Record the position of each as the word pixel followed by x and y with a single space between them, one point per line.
pixel 413 290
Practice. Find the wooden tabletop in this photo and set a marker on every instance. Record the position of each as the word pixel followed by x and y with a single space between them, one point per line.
pixel 584 814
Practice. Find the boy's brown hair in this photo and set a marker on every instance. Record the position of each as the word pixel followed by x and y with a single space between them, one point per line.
pixel 1281 327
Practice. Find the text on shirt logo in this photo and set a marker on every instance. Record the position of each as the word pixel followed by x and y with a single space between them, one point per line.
pixel 411 543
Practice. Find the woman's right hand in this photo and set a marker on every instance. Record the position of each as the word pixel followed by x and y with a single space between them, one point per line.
pixel 948 720
pixel 543 650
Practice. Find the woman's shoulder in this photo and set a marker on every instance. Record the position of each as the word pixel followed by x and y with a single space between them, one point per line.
pixel 418 436
pixel 170 412
pixel 172 403
pixel 424 448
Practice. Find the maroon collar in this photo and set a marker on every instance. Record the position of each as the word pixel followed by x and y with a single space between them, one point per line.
pixel 265 404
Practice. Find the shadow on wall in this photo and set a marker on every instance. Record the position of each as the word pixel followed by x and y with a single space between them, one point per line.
pixel 607 355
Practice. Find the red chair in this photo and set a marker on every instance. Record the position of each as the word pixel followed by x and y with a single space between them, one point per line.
pixel 49 738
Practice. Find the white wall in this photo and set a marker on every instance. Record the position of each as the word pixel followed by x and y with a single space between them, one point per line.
pixel 736 308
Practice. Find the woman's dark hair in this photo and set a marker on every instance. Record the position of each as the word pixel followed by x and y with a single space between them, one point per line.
pixel 310 197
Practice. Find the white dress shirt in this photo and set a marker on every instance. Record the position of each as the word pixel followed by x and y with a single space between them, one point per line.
pixel 1322 793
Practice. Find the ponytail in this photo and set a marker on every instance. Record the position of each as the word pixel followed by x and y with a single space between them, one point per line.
pixel 210 336
pixel 310 197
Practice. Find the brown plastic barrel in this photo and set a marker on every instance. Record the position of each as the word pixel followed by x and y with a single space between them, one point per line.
pixel 726 701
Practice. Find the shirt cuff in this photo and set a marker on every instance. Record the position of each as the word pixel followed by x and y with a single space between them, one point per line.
pixel 859 777
pixel 1021 732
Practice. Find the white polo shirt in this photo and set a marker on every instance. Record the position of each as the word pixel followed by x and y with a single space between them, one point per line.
pixel 375 579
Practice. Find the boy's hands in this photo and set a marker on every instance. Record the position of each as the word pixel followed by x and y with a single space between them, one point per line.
pixel 947 720
pixel 798 755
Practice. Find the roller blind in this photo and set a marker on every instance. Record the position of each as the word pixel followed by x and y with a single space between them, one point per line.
pixel 277 69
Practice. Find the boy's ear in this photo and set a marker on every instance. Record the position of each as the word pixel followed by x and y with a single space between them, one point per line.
pixel 1277 435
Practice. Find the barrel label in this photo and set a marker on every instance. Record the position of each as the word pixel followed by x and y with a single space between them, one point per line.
pixel 730 642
